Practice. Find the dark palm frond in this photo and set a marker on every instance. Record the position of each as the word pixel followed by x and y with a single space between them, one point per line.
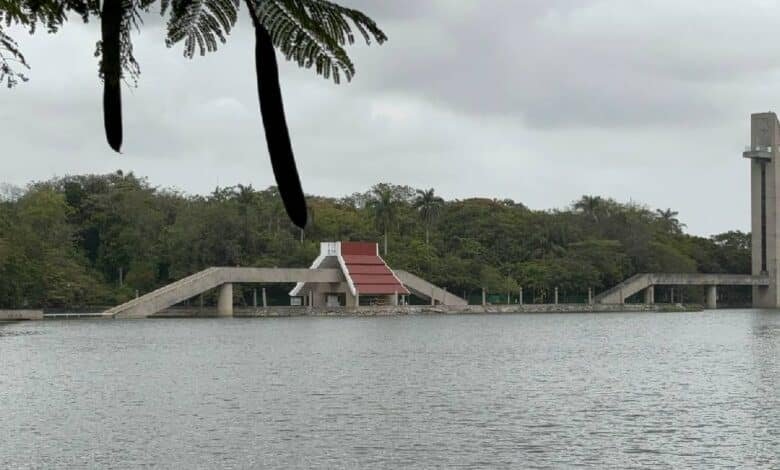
pixel 9 53
pixel 111 70
pixel 277 135
pixel 202 24
pixel 313 33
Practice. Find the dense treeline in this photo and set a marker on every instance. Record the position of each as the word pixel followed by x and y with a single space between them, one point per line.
pixel 96 239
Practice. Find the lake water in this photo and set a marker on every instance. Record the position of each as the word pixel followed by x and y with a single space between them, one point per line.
pixel 531 391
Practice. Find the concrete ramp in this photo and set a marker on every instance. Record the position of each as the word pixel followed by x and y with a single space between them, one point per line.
pixel 639 282
pixel 624 290
pixel 168 296
pixel 208 279
pixel 424 289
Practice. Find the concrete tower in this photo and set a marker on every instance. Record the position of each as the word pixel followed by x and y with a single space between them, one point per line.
pixel 764 181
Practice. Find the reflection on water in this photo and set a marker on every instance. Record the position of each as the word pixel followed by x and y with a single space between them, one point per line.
pixel 665 390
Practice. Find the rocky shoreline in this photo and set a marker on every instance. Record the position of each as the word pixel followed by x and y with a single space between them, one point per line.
pixel 286 311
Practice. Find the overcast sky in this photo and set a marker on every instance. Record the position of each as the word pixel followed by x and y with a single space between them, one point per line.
pixel 540 101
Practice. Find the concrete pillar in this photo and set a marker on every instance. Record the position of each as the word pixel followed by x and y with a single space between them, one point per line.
pixel 357 298
pixel 650 295
pixel 254 297
pixel 484 297
pixel 395 298
pixel 590 296
pixel 520 301
pixel 225 300
pixel 622 299
pixel 671 295
pixel 556 296
pixel 265 301
pixel 433 299
pixel 712 297
pixel 765 223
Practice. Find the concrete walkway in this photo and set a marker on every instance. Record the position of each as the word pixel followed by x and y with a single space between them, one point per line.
pixel 647 282
pixel 203 281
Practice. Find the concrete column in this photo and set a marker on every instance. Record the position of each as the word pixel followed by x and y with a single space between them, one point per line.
pixel 484 297
pixel 265 301
pixel 357 298
pixel 556 296
pixel 622 299
pixel 671 295
pixel 395 298
pixel 225 300
pixel 650 295
pixel 433 299
pixel 520 301
pixel 590 296
pixel 712 297
pixel 254 297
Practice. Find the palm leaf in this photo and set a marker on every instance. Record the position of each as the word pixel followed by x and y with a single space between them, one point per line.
pixel 313 33
pixel 9 52
pixel 202 24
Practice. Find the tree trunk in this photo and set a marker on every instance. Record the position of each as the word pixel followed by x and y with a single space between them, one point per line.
pixel 426 235
pixel 385 242
pixel 277 135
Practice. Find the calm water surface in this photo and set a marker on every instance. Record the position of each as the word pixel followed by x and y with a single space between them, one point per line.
pixel 546 391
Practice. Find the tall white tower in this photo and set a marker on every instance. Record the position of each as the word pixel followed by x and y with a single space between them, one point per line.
pixel 764 181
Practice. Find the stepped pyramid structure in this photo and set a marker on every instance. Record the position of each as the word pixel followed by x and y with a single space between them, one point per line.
pixel 365 275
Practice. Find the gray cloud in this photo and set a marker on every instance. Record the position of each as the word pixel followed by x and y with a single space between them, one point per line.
pixel 539 101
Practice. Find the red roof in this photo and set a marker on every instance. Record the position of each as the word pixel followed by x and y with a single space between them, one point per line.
pixel 359 248
pixel 368 271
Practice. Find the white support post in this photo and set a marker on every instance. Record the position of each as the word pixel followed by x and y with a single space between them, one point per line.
pixel 225 300
pixel 650 295
pixel 265 301
pixel 712 297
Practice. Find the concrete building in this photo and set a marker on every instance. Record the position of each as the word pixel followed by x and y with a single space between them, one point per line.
pixel 367 278
pixel 765 227
pixel 764 175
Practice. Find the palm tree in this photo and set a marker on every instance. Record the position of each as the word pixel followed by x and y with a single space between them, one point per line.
pixel 429 206
pixel 670 221
pixel 384 207
pixel 313 33
pixel 590 206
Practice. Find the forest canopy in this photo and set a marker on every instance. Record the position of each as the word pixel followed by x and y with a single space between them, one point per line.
pixel 96 239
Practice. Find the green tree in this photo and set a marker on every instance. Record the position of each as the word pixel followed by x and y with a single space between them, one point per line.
pixel 429 206
pixel 669 220
pixel 384 208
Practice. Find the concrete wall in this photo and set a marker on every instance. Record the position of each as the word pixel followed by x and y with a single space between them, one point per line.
pixel 456 310
pixel 21 315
